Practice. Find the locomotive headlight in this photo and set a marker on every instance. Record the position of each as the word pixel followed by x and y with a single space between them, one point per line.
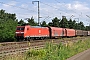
pixel 16 32
pixel 22 32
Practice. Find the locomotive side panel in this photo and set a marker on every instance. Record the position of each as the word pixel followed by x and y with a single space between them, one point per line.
pixel 37 32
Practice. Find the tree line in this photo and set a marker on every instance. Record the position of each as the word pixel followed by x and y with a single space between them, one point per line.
pixel 56 22
pixel 9 22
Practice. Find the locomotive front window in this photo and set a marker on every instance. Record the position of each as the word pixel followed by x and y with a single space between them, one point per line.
pixel 20 28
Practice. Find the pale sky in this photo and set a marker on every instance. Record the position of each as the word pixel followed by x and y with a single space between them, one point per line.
pixel 49 9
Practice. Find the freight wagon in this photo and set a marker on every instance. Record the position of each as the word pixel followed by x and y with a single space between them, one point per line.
pixel 85 33
pixel 55 32
pixel 69 32
pixel 79 32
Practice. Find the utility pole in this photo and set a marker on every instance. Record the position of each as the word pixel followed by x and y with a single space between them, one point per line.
pixel 38 12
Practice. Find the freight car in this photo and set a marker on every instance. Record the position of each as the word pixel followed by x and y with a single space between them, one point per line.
pixel 36 32
pixel 82 33
pixel 85 33
pixel 69 32
pixel 55 32
pixel 79 32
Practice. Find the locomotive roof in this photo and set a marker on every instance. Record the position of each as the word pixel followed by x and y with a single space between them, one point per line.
pixel 37 27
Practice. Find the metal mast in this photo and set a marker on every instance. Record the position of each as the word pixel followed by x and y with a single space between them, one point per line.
pixel 38 12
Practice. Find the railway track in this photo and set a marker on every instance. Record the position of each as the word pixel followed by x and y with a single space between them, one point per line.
pixel 21 47
pixel 32 41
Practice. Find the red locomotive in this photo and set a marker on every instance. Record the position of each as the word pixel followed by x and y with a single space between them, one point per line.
pixel 32 32
pixel 36 32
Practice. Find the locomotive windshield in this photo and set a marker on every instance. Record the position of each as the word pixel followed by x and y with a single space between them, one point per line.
pixel 20 28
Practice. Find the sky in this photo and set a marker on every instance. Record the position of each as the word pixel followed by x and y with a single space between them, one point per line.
pixel 78 10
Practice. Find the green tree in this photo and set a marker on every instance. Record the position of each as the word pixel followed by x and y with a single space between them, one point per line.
pixel 21 22
pixel 64 23
pixel 7 31
pixel 81 26
pixel 32 22
pixel 87 28
pixel 6 16
pixel 8 24
pixel 55 22
pixel 70 24
pixel 50 24
pixel 2 12
pixel 74 24
pixel 43 24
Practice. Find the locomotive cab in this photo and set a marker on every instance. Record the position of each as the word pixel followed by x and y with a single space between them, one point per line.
pixel 20 32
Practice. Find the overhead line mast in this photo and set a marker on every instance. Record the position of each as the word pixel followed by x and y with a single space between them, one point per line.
pixel 38 11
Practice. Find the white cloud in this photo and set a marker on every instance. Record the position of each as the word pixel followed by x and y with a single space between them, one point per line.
pixel 69 6
pixel 78 6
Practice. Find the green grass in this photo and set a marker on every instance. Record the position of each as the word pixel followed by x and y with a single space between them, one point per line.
pixel 56 52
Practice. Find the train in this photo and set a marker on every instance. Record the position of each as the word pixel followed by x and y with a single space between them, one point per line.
pixel 36 32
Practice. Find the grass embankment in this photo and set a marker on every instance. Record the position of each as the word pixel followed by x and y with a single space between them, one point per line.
pixel 55 52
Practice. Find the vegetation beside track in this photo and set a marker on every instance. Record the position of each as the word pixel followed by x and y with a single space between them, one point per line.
pixel 55 52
